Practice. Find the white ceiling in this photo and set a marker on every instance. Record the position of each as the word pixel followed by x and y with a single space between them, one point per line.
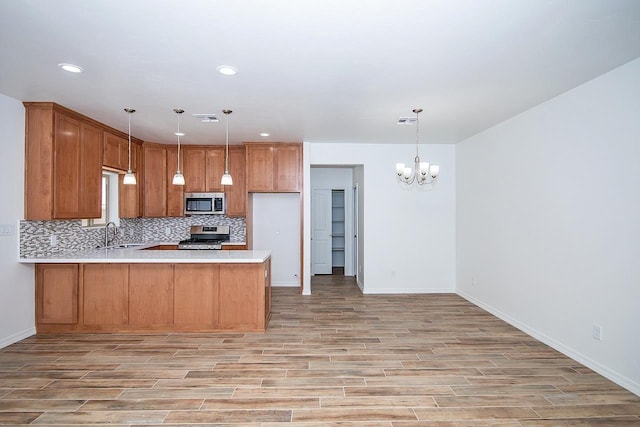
pixel 310 70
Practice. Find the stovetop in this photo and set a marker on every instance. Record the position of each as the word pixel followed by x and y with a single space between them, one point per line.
pixel 200 244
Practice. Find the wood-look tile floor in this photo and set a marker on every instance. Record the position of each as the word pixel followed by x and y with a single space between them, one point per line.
pixel 334 358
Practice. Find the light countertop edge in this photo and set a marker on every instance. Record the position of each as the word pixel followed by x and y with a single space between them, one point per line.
pixel 139 255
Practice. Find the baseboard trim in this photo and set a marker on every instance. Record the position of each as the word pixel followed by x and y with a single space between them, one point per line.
pixel 606 372
pixel 285 284
pixel 12 339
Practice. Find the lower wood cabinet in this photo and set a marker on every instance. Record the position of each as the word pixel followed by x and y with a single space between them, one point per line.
pixel 153 297
pixel 105 305
pixel 196 295
pixel 150 295
pixel 57 294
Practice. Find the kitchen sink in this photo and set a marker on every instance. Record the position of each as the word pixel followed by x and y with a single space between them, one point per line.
pixel 126 246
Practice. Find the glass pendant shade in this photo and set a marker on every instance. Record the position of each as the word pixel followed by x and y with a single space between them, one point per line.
pixel 226 179
pixel 129 178
pixel 178 179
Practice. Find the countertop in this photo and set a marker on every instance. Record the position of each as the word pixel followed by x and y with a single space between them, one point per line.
pixel 138 254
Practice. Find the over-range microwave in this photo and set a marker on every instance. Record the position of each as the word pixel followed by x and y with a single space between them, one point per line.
pixel 204 203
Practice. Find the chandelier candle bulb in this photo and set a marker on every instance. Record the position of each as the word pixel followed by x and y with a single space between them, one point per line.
pixel 435 169
pixel 400 168
pixel 424 168
pixel 407 173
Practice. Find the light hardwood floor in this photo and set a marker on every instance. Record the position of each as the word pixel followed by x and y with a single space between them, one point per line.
pixel 336 357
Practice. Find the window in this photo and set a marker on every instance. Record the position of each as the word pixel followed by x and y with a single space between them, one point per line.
pixel 109 202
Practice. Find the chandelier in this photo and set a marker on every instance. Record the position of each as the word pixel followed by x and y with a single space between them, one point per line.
pixel 422 173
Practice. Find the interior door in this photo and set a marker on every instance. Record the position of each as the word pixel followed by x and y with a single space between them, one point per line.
pixel 321 231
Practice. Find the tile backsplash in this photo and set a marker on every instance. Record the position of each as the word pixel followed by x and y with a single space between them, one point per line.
pixel 43 238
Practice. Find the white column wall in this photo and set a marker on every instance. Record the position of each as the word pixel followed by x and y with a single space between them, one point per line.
pixel 548 222
pixel 17 294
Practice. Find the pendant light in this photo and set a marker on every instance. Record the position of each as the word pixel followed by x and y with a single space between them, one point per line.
pixel 178 178
pixel 226 177
pixel 129 177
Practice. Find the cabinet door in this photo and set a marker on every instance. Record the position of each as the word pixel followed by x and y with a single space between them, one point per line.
pixel 150 295
pixel 287 167
pixel 57 293
pixel 215 168
pixel 236 194
pixel 194 170
pixel 155 181
pixel 105 293
pixel 90 172
pixel 196 295
pixel 77 169
pixel 115 151
pixel 128 199
pixel 259 168
pixel 241 296
pixel 175 193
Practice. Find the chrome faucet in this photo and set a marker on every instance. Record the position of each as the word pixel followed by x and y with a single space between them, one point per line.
pixel 106 232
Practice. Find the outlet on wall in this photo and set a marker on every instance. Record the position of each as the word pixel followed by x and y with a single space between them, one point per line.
pixel 167 231
pixel 597 332
pixel 53 240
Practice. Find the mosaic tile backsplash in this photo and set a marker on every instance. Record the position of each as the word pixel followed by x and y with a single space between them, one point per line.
pixel 37 238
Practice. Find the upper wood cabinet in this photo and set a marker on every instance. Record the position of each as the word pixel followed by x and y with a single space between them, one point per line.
pixel 130 196
pixel 161 197
pixel 203 168
pixel 63 164
pixel 236 194
pixel 115 152
pixel 274 167
pixel 175 193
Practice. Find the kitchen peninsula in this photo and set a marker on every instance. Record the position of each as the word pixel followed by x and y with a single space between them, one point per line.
pixel 140 290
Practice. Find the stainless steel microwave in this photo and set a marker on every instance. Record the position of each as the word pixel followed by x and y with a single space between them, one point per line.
pixel 204 204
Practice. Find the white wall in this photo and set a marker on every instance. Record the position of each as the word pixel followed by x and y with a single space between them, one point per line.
pixel 549 222
pixel 410 231
pixel 276 227
pixel 17 300
pixel 339 179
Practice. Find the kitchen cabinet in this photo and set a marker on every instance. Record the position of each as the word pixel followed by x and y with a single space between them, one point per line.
pixel 175 193
pixel 63 164
pixel 150 295
pixel 161 198
pixel 236 194
pixel 129 196
pixel 155 181
pixel 159 297
pixel 115 152
pixel 105 294
pixel 196 295
pixel 56 294
pixel 203 169
pixel 274 168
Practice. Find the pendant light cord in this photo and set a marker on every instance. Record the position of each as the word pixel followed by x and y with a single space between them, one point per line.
pixel 129 167
pixel 226 164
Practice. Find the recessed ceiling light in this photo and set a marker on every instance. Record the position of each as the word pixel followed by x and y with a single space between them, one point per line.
pixel 70 67
pixel 264 134
pixel 227 70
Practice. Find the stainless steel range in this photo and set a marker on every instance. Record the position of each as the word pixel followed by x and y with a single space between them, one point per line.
pixel 206 237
